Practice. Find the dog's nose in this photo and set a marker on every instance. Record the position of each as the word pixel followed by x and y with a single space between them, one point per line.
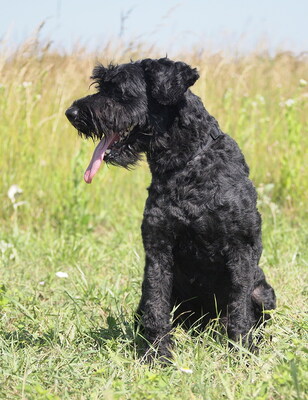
pixel 72 113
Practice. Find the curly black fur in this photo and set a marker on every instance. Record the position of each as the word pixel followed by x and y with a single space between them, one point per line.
pixel 201 229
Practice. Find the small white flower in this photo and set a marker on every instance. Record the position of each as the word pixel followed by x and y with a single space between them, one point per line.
pixel 289 102
pixel 42 283
pixel 186 370
pixel 7 249
pixel 61 274
pixel 261 99
pixel 4 246
pixel 38 97
pixel 18 204
pixel 303 82
pixel 26 84
pixel 14 191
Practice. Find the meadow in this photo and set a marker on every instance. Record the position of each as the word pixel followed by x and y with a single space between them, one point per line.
pixel 71 256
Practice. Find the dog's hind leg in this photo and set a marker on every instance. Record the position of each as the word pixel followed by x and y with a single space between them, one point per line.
pixel 240 316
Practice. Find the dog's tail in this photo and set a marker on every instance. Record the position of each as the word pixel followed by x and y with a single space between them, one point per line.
pixel 263 297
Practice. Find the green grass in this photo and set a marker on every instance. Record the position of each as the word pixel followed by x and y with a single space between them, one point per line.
pixel 72 338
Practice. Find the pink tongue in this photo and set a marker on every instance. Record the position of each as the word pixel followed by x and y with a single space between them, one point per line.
pixel 98 157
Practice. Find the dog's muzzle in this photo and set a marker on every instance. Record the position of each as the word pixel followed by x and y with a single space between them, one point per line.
pixel 72 113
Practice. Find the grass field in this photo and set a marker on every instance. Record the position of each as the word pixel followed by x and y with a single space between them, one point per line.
pixel 71 337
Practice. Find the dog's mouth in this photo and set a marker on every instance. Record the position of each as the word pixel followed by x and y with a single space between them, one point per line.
pixel 103 149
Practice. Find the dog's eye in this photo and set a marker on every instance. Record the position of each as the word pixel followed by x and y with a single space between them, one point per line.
pixel 119 93
pixel 106 87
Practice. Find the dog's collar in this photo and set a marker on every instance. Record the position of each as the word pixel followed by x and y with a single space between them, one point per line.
pixel 215 132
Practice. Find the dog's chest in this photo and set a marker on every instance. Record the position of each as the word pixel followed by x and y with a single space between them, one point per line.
pixel 182 198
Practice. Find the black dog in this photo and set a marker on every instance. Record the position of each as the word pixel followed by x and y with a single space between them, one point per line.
pixel 201 229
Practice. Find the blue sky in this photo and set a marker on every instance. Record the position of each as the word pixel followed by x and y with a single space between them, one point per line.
pixel 169 24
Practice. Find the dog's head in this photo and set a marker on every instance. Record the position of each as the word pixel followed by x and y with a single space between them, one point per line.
pixel 130 109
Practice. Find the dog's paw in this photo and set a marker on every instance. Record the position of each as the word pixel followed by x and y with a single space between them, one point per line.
pixel 161 355
pixel 248 341
pixel 159 351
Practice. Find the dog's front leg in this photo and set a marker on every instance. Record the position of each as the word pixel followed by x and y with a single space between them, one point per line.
pixel 155 304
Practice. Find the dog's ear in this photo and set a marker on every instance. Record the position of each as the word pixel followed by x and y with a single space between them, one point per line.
pixel 168 80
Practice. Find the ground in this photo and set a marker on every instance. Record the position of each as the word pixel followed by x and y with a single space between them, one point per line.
pixel 71 337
